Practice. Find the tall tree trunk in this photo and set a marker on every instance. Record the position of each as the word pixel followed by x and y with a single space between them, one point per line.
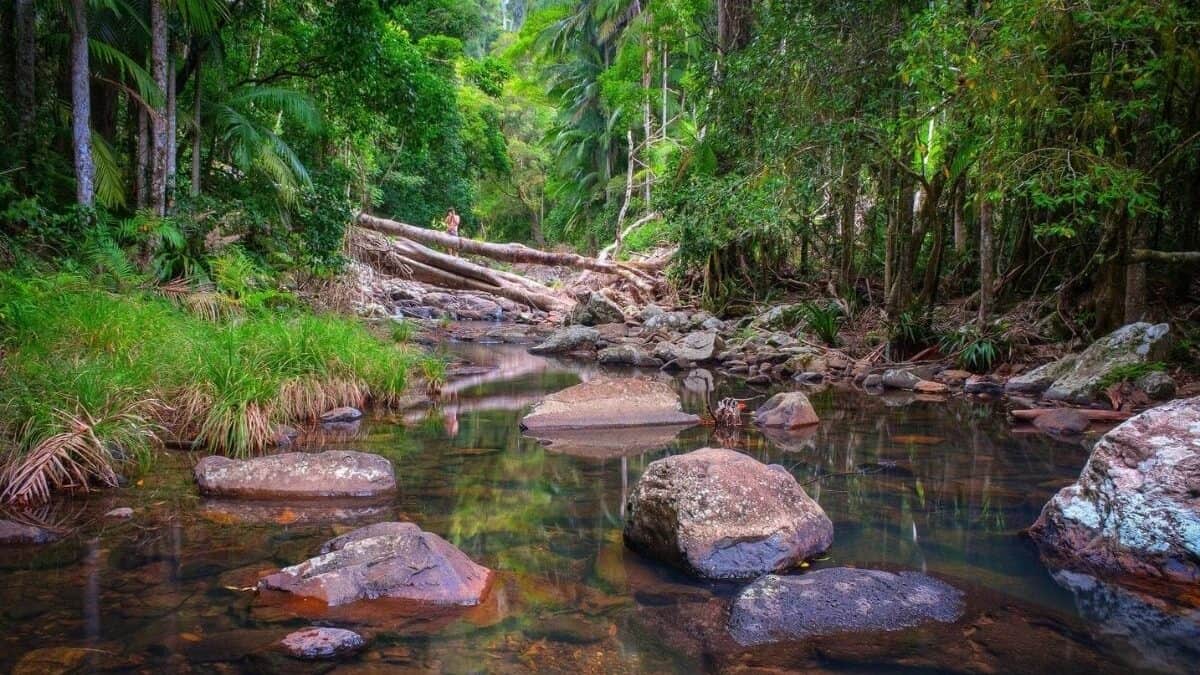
pixel 25 66
pixel 986 263
pixel 898 294
pixel 141 174
pixel 733 24
pixel 960 221
pixel 647 124
pixel 196 128
pixel 81 106
pixel 172 156
pixel 158 122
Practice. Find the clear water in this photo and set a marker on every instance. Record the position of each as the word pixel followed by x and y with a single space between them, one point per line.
pixel 941 487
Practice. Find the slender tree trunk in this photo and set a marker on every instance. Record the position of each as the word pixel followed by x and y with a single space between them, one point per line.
pixel 158 122
pixel 986 263
pixel 664 119
pixel 25 66
pixel 647 124
pixel 196 129
pixel 960 221
pixel 172 156
pixel 81 106
pixel 141 174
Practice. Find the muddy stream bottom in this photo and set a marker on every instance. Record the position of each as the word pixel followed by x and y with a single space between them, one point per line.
pixel 939 487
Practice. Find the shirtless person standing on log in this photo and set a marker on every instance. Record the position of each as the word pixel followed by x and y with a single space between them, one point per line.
pixel 452 221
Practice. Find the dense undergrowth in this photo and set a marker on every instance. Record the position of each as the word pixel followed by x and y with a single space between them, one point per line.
pixel 93 381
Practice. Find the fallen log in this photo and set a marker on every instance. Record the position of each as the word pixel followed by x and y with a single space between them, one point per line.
pixel 1092 414
pixel 408 259
pixel 515 253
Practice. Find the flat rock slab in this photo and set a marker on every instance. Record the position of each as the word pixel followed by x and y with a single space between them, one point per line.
pixel 386 560
pixel 320 642
pixel 609 402
pixel 720 514
pixel 839 600
pixel 291 475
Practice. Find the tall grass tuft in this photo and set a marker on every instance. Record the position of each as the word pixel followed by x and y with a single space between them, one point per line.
pixel 90 380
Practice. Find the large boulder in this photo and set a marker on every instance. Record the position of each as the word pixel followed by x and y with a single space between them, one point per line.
pixel 1134 508
pixel 569 339
pixel 668 320
pixel 696 347
pixel 335 473
pixel 386 560
pixel 1078 378
pixel 608 402
pixel 720 514
pixel 839 600
pixel 594 310
pixel 787 410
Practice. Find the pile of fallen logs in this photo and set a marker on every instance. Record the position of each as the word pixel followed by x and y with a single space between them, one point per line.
pixel 406 251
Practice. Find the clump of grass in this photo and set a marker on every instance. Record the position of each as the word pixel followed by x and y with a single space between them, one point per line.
pixel 434 371
pixel 402 331
pixel 825 322
pixel 90 380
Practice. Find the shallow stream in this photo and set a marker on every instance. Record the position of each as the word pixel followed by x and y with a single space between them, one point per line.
pixel 941 487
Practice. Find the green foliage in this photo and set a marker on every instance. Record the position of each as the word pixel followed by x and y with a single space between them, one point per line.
pixel 402 331
pixel 975 351
pixel 1130 372
pixel 74 350
pixel 825 321
pixel 912 330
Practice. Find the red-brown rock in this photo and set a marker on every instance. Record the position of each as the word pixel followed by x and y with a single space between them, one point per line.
pixel 787 410
pixel 303 475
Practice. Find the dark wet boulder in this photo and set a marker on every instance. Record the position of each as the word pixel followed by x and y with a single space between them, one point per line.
pixel 627 355
pixel 1078 378
pixel 839 600
pixel 322 642
pixel 786 410
pixel 608 402
pixel 343 414
pixel 12 532
pixel 594 310
pixel 1134 509
pixel 386 560
pixel 720 514
pixel 566 340
pixel 335 473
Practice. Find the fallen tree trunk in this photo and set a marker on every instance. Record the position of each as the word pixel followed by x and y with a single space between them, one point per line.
pixel 1090 413
pixel 410 260
pixel 1142 255
pixel 515 253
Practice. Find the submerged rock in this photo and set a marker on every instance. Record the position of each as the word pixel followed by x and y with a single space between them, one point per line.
pixel 720 514
pixel 594 310
pixel 1077 378
pixel 335 473
pixel 569 339
pixel 343 414
pixel 1061 422
pixel 611 443
pixel 1134 508
pixel 787 410
pixel 609 402
pixel 839 600
pixel 386 560
pixel 320 642
pixel 12 532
